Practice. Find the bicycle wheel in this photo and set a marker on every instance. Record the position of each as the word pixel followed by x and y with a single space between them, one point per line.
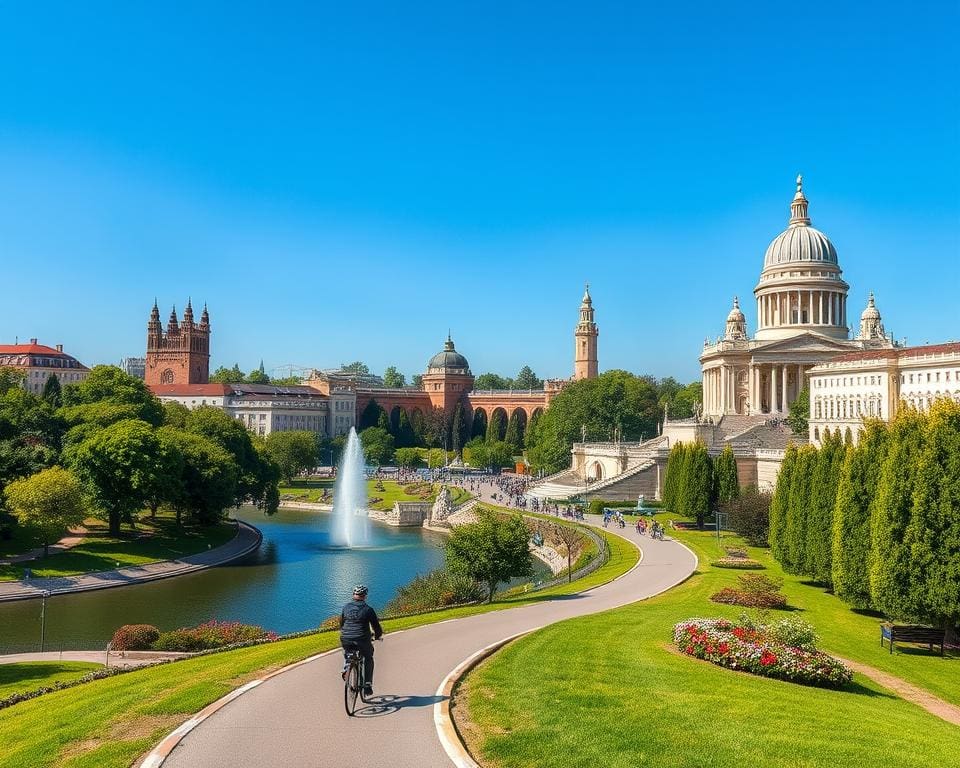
pixel 360 676
pixel 351 687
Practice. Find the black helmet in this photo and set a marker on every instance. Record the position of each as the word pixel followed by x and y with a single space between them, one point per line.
pixel 360 589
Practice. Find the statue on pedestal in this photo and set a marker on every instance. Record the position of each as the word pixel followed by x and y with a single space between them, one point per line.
pixel 443 506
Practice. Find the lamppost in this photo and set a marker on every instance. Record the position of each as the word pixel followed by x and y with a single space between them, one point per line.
pixel 43 617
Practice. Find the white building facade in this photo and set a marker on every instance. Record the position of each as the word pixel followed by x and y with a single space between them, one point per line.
pixel 876 383
pixel 802 321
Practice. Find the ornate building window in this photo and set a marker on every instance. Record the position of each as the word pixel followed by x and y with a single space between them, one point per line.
pixel 166 377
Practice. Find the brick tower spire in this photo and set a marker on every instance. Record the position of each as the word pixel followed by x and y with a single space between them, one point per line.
pixel 585 340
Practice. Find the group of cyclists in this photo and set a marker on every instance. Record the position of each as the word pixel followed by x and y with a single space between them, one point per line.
pixel 616 517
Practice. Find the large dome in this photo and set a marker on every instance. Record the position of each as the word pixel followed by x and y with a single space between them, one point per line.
pixel 799 242
pixel 449 360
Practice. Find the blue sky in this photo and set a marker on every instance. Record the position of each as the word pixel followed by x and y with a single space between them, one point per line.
pixel 343 183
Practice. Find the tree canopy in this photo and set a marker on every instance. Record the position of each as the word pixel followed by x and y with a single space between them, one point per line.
pixel 393 378
pixel 492 550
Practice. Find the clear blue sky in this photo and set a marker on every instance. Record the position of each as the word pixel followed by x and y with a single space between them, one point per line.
pixel 347 180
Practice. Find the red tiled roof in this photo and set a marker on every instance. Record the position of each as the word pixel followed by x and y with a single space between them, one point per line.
pixel 931 349
pixel 30 349
pixel 896 352
pixel 185 390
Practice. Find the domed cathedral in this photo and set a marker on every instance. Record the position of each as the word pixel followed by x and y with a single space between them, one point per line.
pixel 801 321
pixel 181 354
pixel 448 378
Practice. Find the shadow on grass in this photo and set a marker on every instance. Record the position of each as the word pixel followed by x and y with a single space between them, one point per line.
pixel 859 689
pixel 867 612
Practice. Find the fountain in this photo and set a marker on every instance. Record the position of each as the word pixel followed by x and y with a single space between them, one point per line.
pixel 350 497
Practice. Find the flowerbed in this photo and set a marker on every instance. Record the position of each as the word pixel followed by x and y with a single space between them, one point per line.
pixel 743 563
pixel 751 648
pixel 753 590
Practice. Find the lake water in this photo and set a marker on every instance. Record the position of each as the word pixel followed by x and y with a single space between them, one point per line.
pixel 293 582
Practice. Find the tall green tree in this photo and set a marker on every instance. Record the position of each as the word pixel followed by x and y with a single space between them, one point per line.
pixel 780 504
pixel 405 436
pixel 435 427
pixel 293 452
pixel 527 379
pixel 50 501
pixel 856 489
pixel 696 482
pixel 228 375
pixel 258 376
pixel 672 476
pixel 891 587
pixel 725 478
pixel 458 429
pixel 798 416
pixel 614 400
pixel 497 426
pixel 492 381
pixel 207 483
pixel 478 427
pixel 393 378
pixel 408 457
pixel 795 538
pixel 514 434
pixel 108 385
pixel 378 445
pixel 492 550
pixel 118 467
pixel 818 549
pixel 370 415
pixel 933 533
pixel 52 393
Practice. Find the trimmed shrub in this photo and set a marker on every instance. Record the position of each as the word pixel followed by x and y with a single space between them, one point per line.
pixel 756 650
pixel 211 634
pixel 135 637
pixel 437 589
pixel 754 590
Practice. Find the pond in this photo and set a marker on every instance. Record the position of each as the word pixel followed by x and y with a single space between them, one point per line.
pixel 292 583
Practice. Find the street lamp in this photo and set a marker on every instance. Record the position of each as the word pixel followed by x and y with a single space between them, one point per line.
pixel 43 617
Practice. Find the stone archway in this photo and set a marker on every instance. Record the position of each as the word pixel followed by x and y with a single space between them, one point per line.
pixel 595 472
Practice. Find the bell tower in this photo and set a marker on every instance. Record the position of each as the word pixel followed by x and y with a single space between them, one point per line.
pixel 181 354
pixel 585 341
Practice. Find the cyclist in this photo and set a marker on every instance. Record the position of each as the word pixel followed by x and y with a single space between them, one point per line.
pixel 357 621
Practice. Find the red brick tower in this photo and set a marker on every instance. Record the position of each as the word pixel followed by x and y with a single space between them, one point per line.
pixel 448 378
pixel 181 355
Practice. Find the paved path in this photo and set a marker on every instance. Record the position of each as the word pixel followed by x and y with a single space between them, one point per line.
pixel 297 718
pixel 246 541
pixel 70 540
pixel 129 659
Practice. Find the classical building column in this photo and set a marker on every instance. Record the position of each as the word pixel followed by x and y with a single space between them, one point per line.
pixel 829 308
pixel 723 390
pixel 773 389
pixel 799 379
pixel 784 404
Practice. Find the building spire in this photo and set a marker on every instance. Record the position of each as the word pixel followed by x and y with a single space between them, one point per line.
pixel 799 206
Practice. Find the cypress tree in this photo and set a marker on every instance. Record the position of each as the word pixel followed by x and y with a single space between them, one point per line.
pixel 933 533
pixel 405 437
pixel 497 427
pixel 514 433
pixel 851 516
pixel 458 429
pixel 823 498
pixel 890 568
pixel 795 539
pixel 695 485
pixel 51 391
pixel 383 421
pixel 780 503
pixel 370 416
pixel 479 426
pixel 725 480
pixel 671 477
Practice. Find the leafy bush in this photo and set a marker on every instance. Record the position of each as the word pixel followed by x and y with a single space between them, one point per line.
pixel 749 515
pixel 754 649
pixel 753 591
pixel 211 634
pixel 135 637
pixel 436 589
pixel 735 552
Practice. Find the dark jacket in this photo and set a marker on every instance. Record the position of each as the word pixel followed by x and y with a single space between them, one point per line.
pixel 356 620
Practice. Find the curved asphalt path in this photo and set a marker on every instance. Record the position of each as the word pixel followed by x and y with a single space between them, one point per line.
pixel 297 718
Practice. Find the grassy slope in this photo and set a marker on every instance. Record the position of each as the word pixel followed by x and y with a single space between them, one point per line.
pixel 153 540
pixel 108 723
pixel 312 490
pixel 31 675
pixel 609 690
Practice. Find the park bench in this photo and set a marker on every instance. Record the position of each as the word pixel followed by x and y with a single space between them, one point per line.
pixel 911 633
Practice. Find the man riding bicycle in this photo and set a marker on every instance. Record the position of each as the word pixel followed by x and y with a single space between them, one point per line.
pixel 357 620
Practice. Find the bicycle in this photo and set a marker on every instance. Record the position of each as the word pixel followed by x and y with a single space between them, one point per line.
pixel 353 682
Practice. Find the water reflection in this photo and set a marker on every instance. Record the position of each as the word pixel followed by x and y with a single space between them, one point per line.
pixel 294 581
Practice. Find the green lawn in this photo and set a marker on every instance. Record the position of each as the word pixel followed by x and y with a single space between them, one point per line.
pixel 108 723
pixel 610 690
pixel 312 490
pixel 31 675
pixel 153 540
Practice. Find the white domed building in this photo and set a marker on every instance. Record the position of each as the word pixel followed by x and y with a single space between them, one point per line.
pixel 802 321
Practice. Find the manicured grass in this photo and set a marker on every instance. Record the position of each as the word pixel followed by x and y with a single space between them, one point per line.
pixel 610 690
pixel 31 675
pixel 153 540
pixel 312 491
pixel 108 723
